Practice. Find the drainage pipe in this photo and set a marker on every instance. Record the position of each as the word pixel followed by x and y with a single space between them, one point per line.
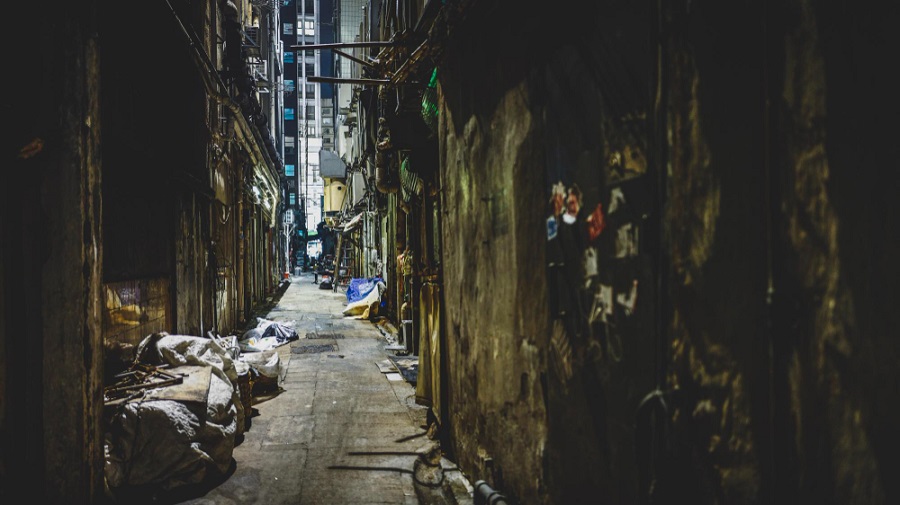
pixel 486 495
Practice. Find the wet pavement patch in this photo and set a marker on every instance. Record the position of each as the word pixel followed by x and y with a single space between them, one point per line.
pixel 332 336
pixel 310 349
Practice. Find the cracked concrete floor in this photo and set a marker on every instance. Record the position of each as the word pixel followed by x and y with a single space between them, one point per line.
pixel 335 434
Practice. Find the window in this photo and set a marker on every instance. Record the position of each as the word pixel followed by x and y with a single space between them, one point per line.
pixel 288 28
pixel 309 28
pixel 289 170
pixel 310 91
pixel 288 85
pixel 311 131
pixel 289 57
pixel 310 112
pixel 289 114
pixel 290 143
pixel 292 199
pixel 310 69
pixel 309 6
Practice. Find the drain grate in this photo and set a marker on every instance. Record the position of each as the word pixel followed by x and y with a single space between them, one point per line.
pixel 309 349
pixel 334 336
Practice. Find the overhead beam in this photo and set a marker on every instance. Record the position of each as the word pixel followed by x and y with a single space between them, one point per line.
pixel 354 58
pixel 341 45
pixel 346 80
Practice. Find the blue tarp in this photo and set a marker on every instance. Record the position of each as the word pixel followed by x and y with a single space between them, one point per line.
pixel 359 288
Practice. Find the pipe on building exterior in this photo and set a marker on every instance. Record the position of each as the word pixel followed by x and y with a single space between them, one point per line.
pixel 486 495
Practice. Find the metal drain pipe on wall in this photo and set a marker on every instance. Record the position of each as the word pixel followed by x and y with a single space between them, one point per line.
pixel 486 495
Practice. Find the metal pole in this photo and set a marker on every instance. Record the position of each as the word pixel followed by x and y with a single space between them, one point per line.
pixel 341 45
pixel 354 58
pixel 347 80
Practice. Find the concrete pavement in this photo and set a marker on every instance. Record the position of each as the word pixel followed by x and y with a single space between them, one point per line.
pixel 339 431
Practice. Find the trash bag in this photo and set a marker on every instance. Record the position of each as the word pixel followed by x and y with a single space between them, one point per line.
pixel 267 335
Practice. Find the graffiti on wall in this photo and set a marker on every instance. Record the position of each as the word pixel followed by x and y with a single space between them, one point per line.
pixel 593 249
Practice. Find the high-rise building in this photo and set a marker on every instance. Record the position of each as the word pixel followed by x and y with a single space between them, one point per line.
pixel 351 27
pixel 308 112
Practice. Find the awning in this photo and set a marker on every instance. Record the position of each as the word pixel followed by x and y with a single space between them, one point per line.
pixel 331 165
pixel 353 223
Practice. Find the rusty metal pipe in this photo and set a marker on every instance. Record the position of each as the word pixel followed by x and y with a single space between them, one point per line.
pixel 354 58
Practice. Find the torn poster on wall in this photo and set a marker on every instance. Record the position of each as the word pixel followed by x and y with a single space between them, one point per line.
pixel 625 163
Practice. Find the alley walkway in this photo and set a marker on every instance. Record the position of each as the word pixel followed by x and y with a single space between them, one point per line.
pixel 336 410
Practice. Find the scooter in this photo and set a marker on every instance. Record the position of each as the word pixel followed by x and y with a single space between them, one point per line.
pixel 326 280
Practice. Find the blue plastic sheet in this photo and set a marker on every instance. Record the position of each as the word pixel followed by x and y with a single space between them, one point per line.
pixel 359 288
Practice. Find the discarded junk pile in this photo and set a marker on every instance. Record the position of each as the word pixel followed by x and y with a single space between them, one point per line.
pixel 175 414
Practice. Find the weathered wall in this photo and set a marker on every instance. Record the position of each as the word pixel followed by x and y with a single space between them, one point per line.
pixel 791 198
pixel 154 165
pixel 493 305
pixel 716 220
pixel 836 379
pixel 51 280
pixel 772 234
pixel 542 397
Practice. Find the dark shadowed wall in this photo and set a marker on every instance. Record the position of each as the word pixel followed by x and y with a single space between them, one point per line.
pixel 743 176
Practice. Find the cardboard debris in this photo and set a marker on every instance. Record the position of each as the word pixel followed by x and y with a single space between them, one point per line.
pixel 386 366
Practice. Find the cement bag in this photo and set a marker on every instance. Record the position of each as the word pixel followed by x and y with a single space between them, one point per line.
pixel 266 363
pixel 179 350
pixel 170 443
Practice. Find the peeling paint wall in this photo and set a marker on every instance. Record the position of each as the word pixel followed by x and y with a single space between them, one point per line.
pixel 491 297
pixel 542 405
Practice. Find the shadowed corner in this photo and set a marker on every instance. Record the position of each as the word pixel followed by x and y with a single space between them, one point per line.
pixel 153 494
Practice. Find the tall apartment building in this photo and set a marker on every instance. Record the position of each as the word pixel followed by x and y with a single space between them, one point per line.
pixel 351 27
pixel 308 112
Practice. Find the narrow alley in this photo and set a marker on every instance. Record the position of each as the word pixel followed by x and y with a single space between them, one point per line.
pixel 338 422
pixel 339 430
pixel 450 252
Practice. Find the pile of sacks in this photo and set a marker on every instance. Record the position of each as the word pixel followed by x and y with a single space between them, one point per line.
pixel 173 436
pixel 176 435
